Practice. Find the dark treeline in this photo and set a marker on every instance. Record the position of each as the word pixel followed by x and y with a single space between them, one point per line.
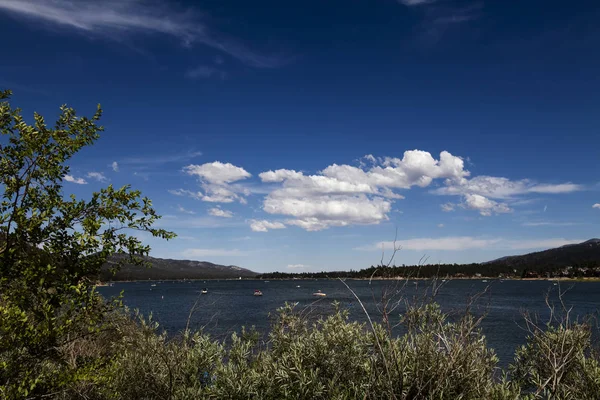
pixel 489 270
pixel 580 260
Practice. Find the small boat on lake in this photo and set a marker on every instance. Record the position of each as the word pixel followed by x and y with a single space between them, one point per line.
pixel 318 293
pixel 204 291
pixel 257 292
pixel 153 285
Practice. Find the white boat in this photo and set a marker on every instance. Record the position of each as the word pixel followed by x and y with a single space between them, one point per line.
pixel 485 281
pixel 154 284
pixel 257 292
pixel 204 291
pixel 319 294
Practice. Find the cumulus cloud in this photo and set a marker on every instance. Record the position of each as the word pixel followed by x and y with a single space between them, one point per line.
pixel 485 206
pixel 99 176
pixel 597 205
pixel 118 18
pixel 72 179
pixel 216 179
pixel 264 225
pixel 115 166
pixel 217 212
pixel 477 192
pixel 458 243
pixel 217 172
pixel 342 195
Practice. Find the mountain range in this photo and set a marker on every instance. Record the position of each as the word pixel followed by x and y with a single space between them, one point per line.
pixel 168 269
pixel 585 254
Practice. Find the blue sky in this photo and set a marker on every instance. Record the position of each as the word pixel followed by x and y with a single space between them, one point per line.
pixel 303 136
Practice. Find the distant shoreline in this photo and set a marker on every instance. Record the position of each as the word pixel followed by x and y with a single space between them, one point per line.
pixel 589 279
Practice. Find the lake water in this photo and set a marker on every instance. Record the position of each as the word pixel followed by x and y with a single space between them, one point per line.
pixel 230 304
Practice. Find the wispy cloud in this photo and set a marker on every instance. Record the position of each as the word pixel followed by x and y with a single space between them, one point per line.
pixel 99 176
pixel 458 243
pixel 597 205
pixel 297 266
pixel 441 17
pixel 183 210
pixel 115 166
pixel 159 159
pixel 72 179
pixel 411 3
pixel 196 253
pixel 116 18
pixel 173 222
pixel 205 72
pixel 549 223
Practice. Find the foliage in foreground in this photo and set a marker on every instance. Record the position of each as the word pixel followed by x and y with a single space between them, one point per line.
pixel 52 248
pixel 334 358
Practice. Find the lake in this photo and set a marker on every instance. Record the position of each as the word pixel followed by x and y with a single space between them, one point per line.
pixel 230 304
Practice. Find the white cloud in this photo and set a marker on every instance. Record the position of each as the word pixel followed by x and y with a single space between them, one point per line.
pixel 485 206
pixel 217 172
pixel 555 189
pixel 451 243
pixel 197 253
pixel 183 192
pixel 458 243
pixel 217 212
pixel 502 188
pixel 440 225
pixel 115 166
pixel 183 210
pixel 342 195
pixel 216 179
pixel 264 225
pixel 324 211
pixel 99 176
pixel 547 223
pixel 79 181
pixel 118 18
pixel 597 205
pixel 448 207
pixel 297 266
pixel 477 192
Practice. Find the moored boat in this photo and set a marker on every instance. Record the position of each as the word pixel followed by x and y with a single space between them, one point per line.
pixel 257 292
pixel 319 294
pixel 204 291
